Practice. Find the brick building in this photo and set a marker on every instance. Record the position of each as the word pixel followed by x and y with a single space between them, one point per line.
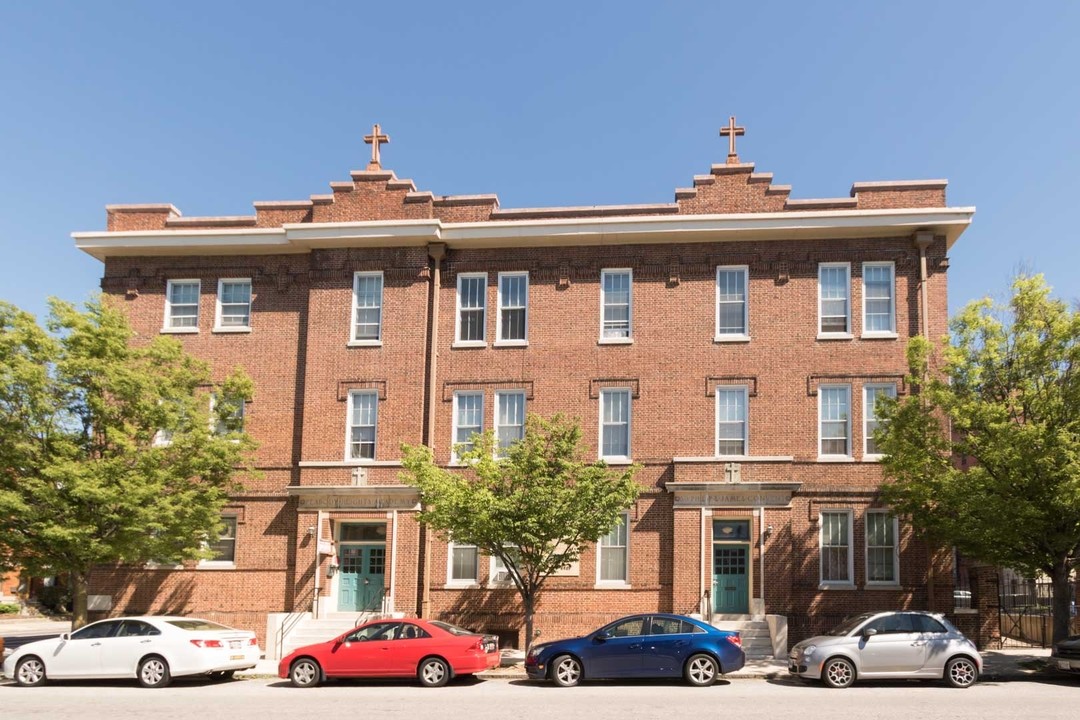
pixel 731 342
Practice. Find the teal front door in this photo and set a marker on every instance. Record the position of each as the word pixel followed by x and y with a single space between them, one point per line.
pixel 731 581
pixel 361 576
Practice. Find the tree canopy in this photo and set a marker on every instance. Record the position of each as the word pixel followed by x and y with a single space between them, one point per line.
pixel 535 509
pixel 109 450
pixel 986 454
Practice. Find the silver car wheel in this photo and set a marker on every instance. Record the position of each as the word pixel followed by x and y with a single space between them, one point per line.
pixel 434 673
pixel 701 671
pixel 566 671
pixel 304 673
pixel 961 672
pixel 153 672
pixel 30 672
pixel 838 673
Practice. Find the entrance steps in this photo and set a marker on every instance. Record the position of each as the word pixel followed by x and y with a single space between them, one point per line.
pixel 309 630
pixel 756 638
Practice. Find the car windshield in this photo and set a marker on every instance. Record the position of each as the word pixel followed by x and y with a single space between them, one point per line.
pixel 452 629
pixel 197 625
pixel 850 624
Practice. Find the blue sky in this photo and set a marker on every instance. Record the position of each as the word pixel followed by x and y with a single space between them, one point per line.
pixel 211 106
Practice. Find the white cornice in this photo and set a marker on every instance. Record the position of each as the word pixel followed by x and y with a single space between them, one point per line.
pixel 541 232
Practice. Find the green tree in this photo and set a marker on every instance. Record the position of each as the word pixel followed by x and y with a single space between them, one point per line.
pixel 536 509
pixel 986 455
pixel 109 452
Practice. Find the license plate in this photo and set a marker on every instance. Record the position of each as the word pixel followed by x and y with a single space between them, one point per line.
pixel 236 657
pixel 1063 665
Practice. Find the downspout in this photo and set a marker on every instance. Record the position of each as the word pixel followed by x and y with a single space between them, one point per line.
pixel 922 242
pixel 318 538
pixel 761 554
pixel 436 251
pixel 707 610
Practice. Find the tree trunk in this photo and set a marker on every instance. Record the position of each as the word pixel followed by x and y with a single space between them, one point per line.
pixel 528 600
pixel 1062 600
pixel 79 582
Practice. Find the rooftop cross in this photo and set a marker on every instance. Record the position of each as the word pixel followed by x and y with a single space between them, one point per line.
pixel 374 139
pixel 731 131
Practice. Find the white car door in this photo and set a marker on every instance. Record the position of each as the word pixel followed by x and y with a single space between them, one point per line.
pixel 80 655
pixel 120 654
pixel 896 649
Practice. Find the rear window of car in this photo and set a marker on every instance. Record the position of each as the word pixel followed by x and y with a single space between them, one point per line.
pixel 197 625
pixel 927 624
pixel 452 629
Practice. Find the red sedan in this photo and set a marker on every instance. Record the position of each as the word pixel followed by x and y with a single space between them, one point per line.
pixel 429 650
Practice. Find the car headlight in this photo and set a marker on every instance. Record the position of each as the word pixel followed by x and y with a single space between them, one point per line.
pixel 809 650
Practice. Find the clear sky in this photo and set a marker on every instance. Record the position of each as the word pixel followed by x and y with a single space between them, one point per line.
pixel 213 105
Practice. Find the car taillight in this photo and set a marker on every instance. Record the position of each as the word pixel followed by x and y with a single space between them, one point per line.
pixel 207 643
pixel 735 640
pixel 253 641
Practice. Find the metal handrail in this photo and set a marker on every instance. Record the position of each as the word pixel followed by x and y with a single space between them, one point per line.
pixel 377 601
pixel 291 620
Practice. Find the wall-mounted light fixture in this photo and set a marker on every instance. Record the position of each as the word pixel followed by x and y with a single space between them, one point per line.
pixel 768 531
pixel 311 531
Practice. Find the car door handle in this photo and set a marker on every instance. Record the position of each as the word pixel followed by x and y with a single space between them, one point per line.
pixel 94 644
pixel 145 641
pixel 635 646
pixel 682 643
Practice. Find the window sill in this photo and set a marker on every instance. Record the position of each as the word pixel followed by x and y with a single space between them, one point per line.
pixel 835 459
pixel 364 343
pixel 231 330
pixel 837 586
pixel 879 336
pixel 872 458
pixel 460 344
pixel 510 343
pixel 179 330
pixel 835 336
pixel 894 587
pixel 163 566
pixel 612 585
pixel 348 463
pixel 615 341
pixel 500 585
pixel 731 339
pixel 215 565
pixel 466 585
pixel 617 460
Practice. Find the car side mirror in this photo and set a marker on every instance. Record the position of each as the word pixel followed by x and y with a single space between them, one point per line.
pixel 602 636
pixel 64 637
pixel 869 632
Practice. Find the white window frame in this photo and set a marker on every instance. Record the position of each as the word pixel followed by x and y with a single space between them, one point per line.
pixel 868 409
pixel 820 421
pixel 891 332
pixel 493 570
pixel 349 426
pixel 746 419
pixel 218 313
pixel 458 342
pixel 451 581
pixel 516 342
pixel 835 335
pixel 625 582
pixel 744 336
pixel 499 395
pixel 354 341
pixel 895 548
pixel 214 426
pixel 166 323
pixel 850 582
pixel 211 564
pixel 616 459
pixel 454 459
pixel 629 272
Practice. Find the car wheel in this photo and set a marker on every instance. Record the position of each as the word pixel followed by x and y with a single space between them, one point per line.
pixel 305 673
pixel 566 671
pixel 30 671
pixel 433 672
pixel 154 672
pixel 701 670
pixel 838 672
pixel 961 672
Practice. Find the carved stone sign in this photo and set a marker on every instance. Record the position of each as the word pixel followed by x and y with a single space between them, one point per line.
pixel 358 497
pixel 732 494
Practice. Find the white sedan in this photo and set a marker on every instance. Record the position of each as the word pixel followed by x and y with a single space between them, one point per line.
pixel 153 649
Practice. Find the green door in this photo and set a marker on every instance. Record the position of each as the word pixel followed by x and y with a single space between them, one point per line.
pixel 730 578
pixel 362 572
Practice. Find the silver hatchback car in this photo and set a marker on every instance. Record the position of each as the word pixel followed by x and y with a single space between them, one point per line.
pixel 885 646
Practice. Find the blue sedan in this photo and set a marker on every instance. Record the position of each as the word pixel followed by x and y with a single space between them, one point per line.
pixel 652 645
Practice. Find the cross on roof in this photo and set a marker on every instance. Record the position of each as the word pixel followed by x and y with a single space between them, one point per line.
pixel 374 139
pixel 731 130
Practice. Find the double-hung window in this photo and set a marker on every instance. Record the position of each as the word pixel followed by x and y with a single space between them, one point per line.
pixel 879 301
pixel 471 308
pixel 731 421
pixel 871 394
pixel 367 308
pixel 612 554
pixel 615 424
pixel 226 416
pixel 224 550
pixel 468 421
pixel 834 299
pixel 836 558
pixel 363 419
pixel 509 419
pixel 882 558
pixel 233 305
pixel 834 420
pixel 513 319
pixel 181 306
pixel 463 562
pixel 732 307
pixel 616 305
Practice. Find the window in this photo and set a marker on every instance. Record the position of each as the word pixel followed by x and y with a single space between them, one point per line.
pixel 472 308
pixel 667 626
pixel 233 305
pixel 468 421
pixel 882 557
pixel 463 564
pixel 136 628
pixel 834 298
pixel 836 547
pixel 835 420
pixel 615 424
pixel 182 306
pixel 612 559
pixel 616 306
pixel 731 305
pixel 879 309
pixel 224 550
pixel 513 320
pixel 363 416
pixel 892 624
pixel 367 308
pixel 509 419
pixel 226 415
pixel 499 573
pixel 97 630
pixel 378 631
pixel 731 421
pixel 927 624
pixel 871 394
pixel 408 631
pixel 631 627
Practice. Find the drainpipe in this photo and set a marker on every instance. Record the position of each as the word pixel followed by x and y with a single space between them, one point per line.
pixel 923 239
pixel 707 610
pixel 761 556
pixel 436 251
pixel 318 537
